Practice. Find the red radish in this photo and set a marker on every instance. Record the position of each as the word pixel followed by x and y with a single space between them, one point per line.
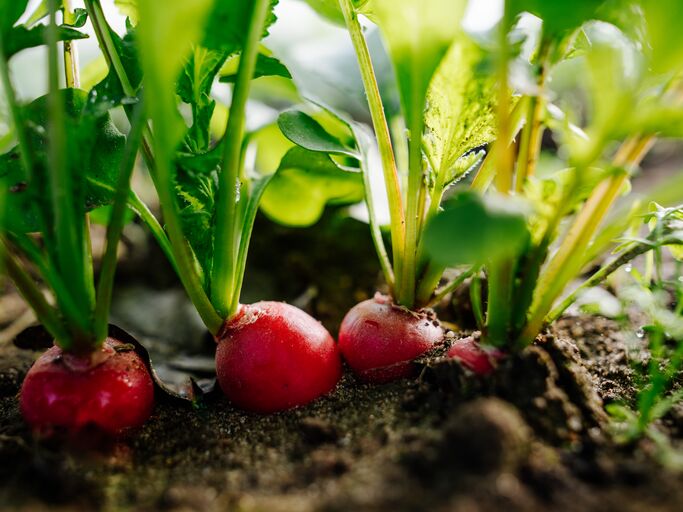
pixel 272 356
pixel 110 390
pixel 480 360
pixel 379 339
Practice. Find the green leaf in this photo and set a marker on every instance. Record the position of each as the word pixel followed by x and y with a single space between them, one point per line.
pixel 306 132
pixel 559 17
pixel 194 88
pixel 227 24
pixel 418 34
pixel 196 185
pixel 21 38
pixel 461 109
pixel 94 153
pixel 108 93
pixel 329 9
pixel 304 184
pixel 665 37
pixel 102 214
pixel 167 35
pixel 265 66
pixel 10 12
pixel 471 230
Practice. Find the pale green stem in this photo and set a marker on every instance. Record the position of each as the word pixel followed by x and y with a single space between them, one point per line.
pixel 71 72
pixel 382 133
pixel 105 285
pixel 226 250
pixel 567 260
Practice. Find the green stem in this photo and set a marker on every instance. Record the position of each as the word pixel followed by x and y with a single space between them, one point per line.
pixel 375 230
pixel 224 278
pixel 567 260
pixel 154 226
pixel 604 272
pixel 383 135
pixel 104 39
pixel 530 141
pixel 67 306
pixel 475 299
pixel 115 227
pixel 487 171
pixel 71 72
pixel 428 283
pixel 499 308
pixel 69 226
pixel 504 160
pixel 107 45
pixel 245 236
pixel 47 315
pixel 406 286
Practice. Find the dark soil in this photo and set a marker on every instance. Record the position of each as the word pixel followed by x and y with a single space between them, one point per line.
pixel 533 436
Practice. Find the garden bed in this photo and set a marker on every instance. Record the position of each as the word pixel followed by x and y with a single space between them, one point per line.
pixel 531 437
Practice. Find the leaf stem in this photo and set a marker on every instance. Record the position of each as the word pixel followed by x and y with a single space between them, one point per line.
pixel 47 315
pixel 567 261
pixel 532 134
pixel 416 182
pixel 226 250
pixel 486 173
pixel 105 284
pixel 383 135
pixel 375 230
pixel 604 272
pixel 71 72
pixel 142 211
pixel 69 226
pixel 503 156
pixel 499 307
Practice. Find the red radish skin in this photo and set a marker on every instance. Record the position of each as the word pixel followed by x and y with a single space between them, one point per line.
pixel 64 393
pixel 379 340
pixel 273 356
pixel 479 360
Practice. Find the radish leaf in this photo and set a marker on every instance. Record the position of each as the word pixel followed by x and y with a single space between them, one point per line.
pixel 461 109
pixel 304 184
pixel 95 151
pixel 418 34
pixel 475 230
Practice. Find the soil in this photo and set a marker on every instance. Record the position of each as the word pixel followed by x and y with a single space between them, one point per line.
pixel 533 436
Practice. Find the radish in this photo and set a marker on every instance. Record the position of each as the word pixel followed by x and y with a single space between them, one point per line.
pixel 379 339
pixel 470 354
pixel 272 356
pixel 109 390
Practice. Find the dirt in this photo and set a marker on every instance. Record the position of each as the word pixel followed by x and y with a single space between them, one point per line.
pixel 532 436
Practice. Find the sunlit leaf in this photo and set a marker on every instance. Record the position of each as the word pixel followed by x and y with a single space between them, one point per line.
pixel 304 184
pixel 306 132
pixel 418 34
pixel 266 65
pixel 460 112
